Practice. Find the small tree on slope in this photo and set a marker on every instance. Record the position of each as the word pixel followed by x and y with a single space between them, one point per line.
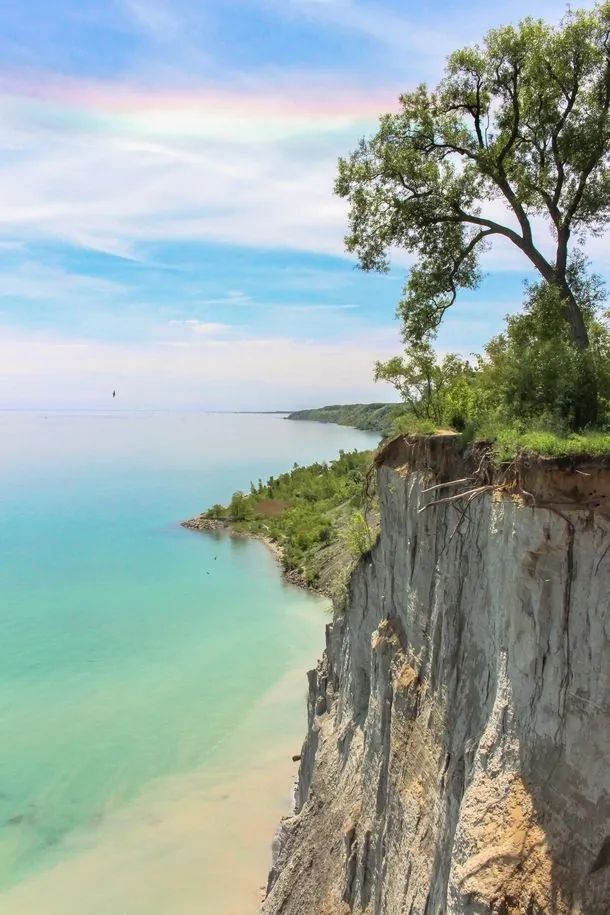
pixel 520 127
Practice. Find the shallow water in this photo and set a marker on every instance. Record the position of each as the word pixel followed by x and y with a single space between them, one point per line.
pixel 151 679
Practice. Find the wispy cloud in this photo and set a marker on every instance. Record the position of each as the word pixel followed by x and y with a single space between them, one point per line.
pixel 157 20
pixel 202 328
pixel 30 280
pixel 45 370
pixel 306 308
pixel 419 30
pixel 103 182
pixel 122 168
pixel 375 22
pixel 233 298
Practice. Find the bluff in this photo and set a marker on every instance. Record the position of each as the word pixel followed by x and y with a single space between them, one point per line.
pixel 457 759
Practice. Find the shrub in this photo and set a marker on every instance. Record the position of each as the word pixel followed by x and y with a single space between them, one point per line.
pixel 357 536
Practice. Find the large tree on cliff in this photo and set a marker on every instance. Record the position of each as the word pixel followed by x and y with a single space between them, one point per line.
pixel 517 130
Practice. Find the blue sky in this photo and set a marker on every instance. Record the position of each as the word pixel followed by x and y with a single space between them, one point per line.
pixel 167 225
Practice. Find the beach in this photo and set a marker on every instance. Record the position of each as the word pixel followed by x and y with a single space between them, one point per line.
pixel 196 844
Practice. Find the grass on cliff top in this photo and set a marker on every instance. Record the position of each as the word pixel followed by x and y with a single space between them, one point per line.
pixel 307 512
pixel 508 441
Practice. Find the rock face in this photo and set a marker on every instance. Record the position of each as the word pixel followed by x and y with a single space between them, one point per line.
pixel 458 752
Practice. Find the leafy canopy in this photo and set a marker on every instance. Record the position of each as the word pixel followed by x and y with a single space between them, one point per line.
pixel 521 120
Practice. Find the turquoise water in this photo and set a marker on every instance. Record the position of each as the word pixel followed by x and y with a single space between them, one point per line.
pixel 132 650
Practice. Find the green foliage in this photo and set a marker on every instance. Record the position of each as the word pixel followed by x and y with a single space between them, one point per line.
pixel 216 513
pixel 437 393
pixel 340 587
pixel 533 371
pixel 522 119
pixel 240 507
pixel 357 536
pixel 527 380
pixel 303 510
pixel 408 424
pixel 510 440
pixel 373 417
pixel 431 389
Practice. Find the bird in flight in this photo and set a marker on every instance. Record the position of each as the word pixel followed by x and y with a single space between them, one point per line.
pixel 114 394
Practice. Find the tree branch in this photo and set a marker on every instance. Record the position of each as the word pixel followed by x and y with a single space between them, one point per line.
pixel 474 241
pixel 415 195
pixel 514 96
pixel 594 158
pixel 501 179
pixel 570 102
pixel 477 117
pixel 452 287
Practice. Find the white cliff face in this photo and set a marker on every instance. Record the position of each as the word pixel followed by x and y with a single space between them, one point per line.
pixel 458 754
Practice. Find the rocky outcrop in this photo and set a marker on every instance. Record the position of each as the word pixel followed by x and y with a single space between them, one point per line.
pixel 203 523
pixel 457 760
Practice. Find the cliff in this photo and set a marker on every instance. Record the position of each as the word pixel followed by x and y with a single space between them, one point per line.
pixel 457 758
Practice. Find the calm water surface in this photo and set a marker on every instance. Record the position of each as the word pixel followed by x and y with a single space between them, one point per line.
pixel 149 676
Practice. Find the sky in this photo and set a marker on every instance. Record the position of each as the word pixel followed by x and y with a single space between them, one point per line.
pixel 167 223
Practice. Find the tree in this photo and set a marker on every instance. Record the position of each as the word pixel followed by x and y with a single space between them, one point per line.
pixel 216 512
pixel 240 507
pixel 432 389
pixel 522 120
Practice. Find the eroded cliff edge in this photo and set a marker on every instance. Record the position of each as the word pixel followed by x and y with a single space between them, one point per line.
pixel 458 752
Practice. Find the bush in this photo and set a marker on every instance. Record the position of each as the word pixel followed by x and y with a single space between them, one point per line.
pixel 340 588
pixel 357 536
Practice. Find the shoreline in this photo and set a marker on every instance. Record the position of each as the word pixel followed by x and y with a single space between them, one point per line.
pixel 204 525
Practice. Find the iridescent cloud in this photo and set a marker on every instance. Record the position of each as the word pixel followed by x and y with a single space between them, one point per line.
pixel 239 114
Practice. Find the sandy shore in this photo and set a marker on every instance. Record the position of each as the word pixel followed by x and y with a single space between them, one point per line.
pixel 197 844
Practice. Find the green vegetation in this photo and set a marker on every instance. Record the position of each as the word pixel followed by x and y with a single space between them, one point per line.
pixel 509 441
pixel 309 512
pixel 373 417
pixel 358 536
pixel 435 392
pixel 519 393
pixel 521 122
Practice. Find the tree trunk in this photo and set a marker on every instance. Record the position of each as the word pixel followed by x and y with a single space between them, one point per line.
pixel 556 276
pixel 586 399
pixel 574 317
